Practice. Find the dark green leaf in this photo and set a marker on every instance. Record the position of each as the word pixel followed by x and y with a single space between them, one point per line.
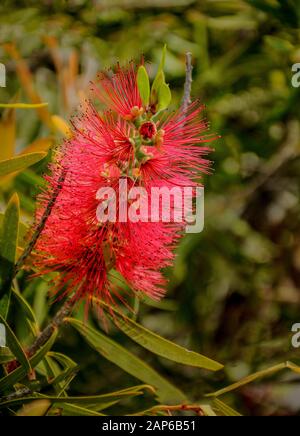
pixel 161 346
pixel 26 308
pixel 75 410
pixel 15 346
pixel 19 373
pixel 99 400
pixel 8 247
pixel 123 358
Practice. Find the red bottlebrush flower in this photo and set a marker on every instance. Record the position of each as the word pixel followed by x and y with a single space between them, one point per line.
pixel 104 151
pixel 120 93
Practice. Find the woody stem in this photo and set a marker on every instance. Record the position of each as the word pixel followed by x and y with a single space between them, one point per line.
pixel 56 322
pixel 186 99
pixel 41 225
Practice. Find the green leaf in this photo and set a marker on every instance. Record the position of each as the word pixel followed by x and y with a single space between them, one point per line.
pixel 257 375
pixel 60 379
pixel 15 346
pixel 160 346
pixel 19 373
pixel 99 400
pixel 4 304
pixel 158 82
pixel 23 230
pixel 224 408
pixel 23 105
pixel 8 248
pixel 5 355
pixel 123 358
pixel 143 84
pixel 164 97
pixel 54 374
pixel 19 163
pixel 74 410
pixel 40 303
pixel 161 64
pixel 26 308
pixel 162 59
pixel 64 360
pixel 159 78
pixel 207 410
pixel 63 379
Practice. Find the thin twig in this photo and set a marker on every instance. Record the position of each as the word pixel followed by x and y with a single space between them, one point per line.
pixel 40 227
pixel 186 99
pixel 17 394
pixel 197 409
pixel 67 306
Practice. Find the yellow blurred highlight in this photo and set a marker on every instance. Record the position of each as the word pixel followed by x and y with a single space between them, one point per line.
pixel 62 126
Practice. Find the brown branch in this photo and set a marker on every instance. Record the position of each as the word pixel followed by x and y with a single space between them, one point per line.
pixel 56 322
pixel 40 227
pixel 17 394
pixel 195 408
pixel 186 99
pixel 183 408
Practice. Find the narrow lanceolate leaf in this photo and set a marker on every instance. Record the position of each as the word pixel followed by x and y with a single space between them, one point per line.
pixel 163 58
pixel 5 355
pixel 93 401
pixel 143 84
pixel 159 78
pixel 15 346
pixel 257 375
pixel 63 360
pixel 23 229
pixel 224 408
pixel 22 105
pixel 207 410
pixel 164 97
pixel 19 373
pixel 161 346
pixel 27 310
pixel 25 306
pixel 72 410
pixel 123 358
pixel 8 247
pixel 19 163
pixel 60 379
pixel 158 82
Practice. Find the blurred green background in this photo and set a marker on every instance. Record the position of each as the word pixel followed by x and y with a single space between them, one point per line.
pixel 234 291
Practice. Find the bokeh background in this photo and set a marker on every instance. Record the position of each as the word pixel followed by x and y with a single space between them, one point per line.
pixel 234 290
